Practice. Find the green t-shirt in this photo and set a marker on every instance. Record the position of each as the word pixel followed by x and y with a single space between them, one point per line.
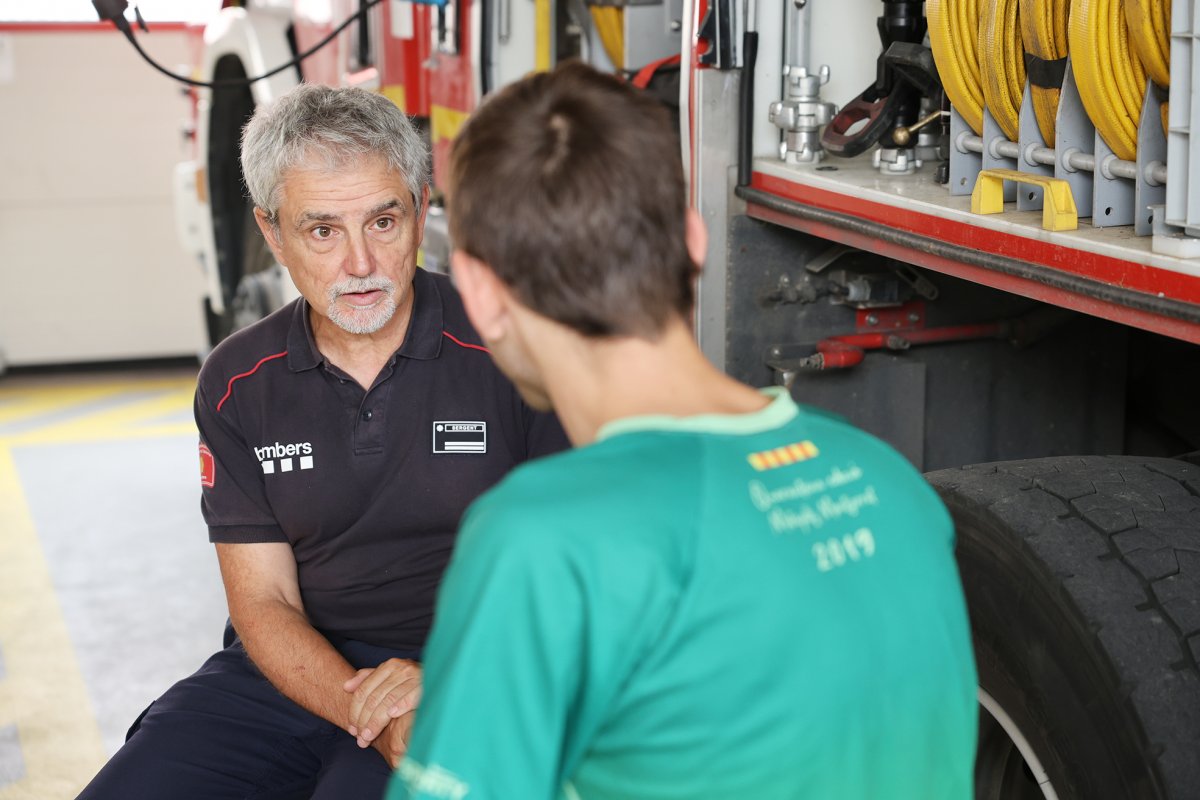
pixel 754 606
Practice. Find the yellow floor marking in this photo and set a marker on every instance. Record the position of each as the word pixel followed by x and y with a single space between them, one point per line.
pixel 43 692
pixel 118 422
pixel 16 405
pixel 106 434
pixel 52 393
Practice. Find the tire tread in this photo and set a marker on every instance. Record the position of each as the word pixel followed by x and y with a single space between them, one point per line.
pixel 1122 534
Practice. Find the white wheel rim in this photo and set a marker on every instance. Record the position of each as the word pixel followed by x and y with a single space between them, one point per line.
pixel 1014 733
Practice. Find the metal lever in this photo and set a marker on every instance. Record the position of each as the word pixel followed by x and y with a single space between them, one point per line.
pixel 902 136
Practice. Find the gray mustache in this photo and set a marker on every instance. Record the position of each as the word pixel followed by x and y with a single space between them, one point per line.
pixel 354 285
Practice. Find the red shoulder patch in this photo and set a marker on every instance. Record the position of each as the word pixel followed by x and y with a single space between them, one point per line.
pixel 208 467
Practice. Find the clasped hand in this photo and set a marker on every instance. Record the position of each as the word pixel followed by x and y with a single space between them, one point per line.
pixel 388 692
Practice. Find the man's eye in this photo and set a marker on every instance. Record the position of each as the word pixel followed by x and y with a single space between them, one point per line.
pixel 385 223
pixel 322 231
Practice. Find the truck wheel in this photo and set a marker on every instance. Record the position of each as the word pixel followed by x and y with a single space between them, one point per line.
pixel 258 293
pixel 1082 578
pixel 259 289
pixel 249 276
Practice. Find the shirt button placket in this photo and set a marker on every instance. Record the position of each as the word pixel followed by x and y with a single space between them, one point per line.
pixel 371 427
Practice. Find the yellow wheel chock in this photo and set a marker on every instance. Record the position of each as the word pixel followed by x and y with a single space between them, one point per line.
pixel 1058 206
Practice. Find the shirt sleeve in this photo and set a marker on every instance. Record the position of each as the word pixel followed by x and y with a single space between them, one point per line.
pixel 503 668
pixel 233 501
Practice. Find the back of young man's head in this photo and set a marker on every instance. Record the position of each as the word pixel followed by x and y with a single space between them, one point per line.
pixel 569 185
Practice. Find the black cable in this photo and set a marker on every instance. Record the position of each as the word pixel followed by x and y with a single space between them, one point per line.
pixel 485 48
pixel 109 10
pixel 746 108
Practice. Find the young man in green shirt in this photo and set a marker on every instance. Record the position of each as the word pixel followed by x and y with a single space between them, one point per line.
pixel 716 594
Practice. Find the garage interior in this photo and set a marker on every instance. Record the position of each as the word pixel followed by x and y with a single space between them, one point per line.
pixel 109 589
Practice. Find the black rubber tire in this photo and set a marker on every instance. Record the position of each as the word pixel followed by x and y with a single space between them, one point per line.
pixel 246 266
pixel 1082 577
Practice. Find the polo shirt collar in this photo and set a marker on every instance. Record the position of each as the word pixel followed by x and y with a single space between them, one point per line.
pixel 424 339
pixel 422 342
pixel 301 346
pixel 780 411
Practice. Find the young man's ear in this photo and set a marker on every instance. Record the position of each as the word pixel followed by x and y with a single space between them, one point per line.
pixel 270 233
pixel 696 236
pixel 484 295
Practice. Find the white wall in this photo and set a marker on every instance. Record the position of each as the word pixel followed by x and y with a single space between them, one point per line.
pixel 90 267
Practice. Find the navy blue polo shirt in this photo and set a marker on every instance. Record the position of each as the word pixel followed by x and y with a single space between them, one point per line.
pixel 366 485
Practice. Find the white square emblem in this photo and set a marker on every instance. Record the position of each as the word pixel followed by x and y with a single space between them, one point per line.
pixel 460 437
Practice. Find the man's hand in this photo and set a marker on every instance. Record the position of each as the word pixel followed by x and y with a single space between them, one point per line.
pixel 393 743
pixel 382 695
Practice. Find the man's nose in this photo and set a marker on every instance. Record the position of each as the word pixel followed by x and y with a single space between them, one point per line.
pixel 360 262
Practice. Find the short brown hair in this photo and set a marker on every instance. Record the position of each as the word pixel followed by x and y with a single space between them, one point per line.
pixel 569 185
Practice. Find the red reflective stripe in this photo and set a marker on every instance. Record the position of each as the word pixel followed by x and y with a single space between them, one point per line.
pixel 450 336
pixel 1060 257
pixel 229 388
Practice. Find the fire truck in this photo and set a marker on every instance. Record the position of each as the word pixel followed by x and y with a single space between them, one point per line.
pixel 967 226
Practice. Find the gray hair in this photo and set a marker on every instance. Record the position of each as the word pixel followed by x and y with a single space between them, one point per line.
pixel 337 125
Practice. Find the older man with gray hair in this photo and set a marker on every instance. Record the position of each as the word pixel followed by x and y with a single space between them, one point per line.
pixel 341 438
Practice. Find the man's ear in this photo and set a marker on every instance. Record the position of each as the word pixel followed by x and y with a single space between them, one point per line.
pixel 484 295
pixel 421 217
pixel 270 233
pixel 696 236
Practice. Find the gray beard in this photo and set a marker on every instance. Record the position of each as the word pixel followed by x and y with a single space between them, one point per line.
pixel 362 321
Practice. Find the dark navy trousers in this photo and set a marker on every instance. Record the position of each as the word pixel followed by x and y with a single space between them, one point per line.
pixel 226 732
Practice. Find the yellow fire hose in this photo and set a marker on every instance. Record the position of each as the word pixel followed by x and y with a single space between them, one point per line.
pixel 610 24
pixel 1149 24
pixel 954 37
pixel 1110 75
pixel 978 47
pixel 1002 66
pixel 1044 32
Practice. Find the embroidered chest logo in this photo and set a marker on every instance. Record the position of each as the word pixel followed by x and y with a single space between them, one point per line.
pixel 284 457
pixel 782 456
pixel 460 437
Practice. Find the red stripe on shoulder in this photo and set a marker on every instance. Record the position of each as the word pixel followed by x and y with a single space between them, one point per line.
pixel 235 378
pixel 452 338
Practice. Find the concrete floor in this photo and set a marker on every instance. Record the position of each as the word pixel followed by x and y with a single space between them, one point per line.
pixel 109 590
